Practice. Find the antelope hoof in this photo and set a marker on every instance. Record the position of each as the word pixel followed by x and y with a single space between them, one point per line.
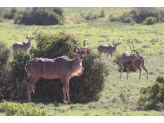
pixel 69 102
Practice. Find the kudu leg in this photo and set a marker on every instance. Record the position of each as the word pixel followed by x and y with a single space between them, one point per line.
pixel 29 87
pixel 142 65
pixel 65 89
pixel 68 97
pixel 111 55
pixel 122 67
pixel 140 71
pixel 13 53
pixel 128 67
pixel 107 55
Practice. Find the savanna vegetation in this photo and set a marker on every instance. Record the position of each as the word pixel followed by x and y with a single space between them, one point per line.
pixel 98 91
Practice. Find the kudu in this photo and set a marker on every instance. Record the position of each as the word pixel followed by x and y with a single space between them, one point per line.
pixel 24 46
pixel 109 49
pixel 129 59
pixel 59 68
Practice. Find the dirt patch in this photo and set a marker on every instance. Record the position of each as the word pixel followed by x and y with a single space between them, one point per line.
pixel 126 11
pixel 113 10
pixel 68 21
pixel 8 21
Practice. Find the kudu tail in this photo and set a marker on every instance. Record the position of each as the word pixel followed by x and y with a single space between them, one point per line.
pixel 26 69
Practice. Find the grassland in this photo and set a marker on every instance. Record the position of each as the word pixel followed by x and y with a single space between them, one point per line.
pixel 119 97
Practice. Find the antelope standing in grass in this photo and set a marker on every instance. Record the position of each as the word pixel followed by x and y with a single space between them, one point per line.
pixel 59 68
pixel 129 59
pixel 109 49
pixel 24 46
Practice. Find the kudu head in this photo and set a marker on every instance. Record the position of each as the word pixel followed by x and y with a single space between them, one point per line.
pixel 114 43
pixel 137 55
pixel 80 53
pixel 29 38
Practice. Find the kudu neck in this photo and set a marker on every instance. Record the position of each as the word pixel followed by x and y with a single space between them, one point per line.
pixel 77 59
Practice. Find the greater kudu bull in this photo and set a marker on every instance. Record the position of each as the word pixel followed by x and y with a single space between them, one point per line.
pixel 24 46
pixel 62 68
pixel 129 59
pixel 108 48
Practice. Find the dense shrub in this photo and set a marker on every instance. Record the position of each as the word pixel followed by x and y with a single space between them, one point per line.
pixel 83 88
pixel 2 12
pixel 114 18
pixel 146 46
pixel 102 14
pixel 39 16
pixel 117 61
pixel 126 18
pixel 17 109
pixel 4 54
pixel 16 78
pixel 141 13
pixel 90 16
pixel 150 20
pixel 152 95
pixel 10 14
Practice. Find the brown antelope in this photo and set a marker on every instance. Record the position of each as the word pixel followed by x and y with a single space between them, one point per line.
pixel 129 59
pixel 24 46
pixel 59 68
pixel 108 48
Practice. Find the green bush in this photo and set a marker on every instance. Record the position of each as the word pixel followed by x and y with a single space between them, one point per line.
pixel 4 55
pixel 117 61
pixel 17 109
pixel 141 13
pixel 2 11
pixel 126 18
pixel 39 16
pixel 113 18
pixel 146 46
pixel 150 20
pixel 10 14
pixel 83 88
pixel 152 95
pixel 102 14
pixel 16 77
pixel 90 16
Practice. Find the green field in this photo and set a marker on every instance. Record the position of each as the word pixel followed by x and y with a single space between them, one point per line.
pixel 119 97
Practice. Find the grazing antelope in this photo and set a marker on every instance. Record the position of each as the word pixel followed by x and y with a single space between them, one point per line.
pixel 59 68
pixel 129 59
pixel 108 48
pixel 24 46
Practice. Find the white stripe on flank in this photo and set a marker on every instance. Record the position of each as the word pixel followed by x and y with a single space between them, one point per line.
pixel 38 67
pixel 52 67
pixel 44 66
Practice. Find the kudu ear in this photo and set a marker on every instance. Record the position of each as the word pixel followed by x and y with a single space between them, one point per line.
pixel 118 43
pixel 87 51
pixel 74 49
pixel 27 37
pixel 32 38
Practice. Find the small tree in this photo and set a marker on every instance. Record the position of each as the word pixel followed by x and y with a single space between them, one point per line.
pixel 152 95
pixel 102 14
pixel 4 56
pixel 150 20
pixel 16 81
